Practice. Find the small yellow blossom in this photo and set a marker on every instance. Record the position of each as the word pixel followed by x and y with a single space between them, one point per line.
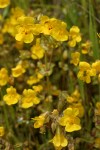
pixel 25 29
pixel 59 140
pixel 8 27
pixel 15 14
pixel 12 97
pixel 38 88
pixel 29 98
pixel 75 58
pixel 97 142
pixel 35 78
pixel 54 27
pixel 74 96
pixel 70 99
pixel 39 75
pixel 60 33
pixel 80 107
pixel 37 50
pixel 3 76
pixel 86 47
pixel 96 66
pixel 70 120
pixel 11 22
pixel 85 72
pixel 39 121
pixel 32 80
pixel 4 3
pixel 74 36
pixel 18 70
pixel 2 131
pixel 46 25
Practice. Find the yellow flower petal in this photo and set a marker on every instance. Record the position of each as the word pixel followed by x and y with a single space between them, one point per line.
pixel 28 38
pixel 4 3
pixel 2 131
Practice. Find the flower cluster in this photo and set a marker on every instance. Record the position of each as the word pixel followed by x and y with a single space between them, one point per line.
pixel 43 65
pixel 86 71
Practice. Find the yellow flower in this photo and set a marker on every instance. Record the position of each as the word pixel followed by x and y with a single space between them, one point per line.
pixel 74 96
pixel 59 140
pixel 2 131
pixel 85 72
pixel 38 88
pixel 37 50
pixel 15 14
pixel 12 97
pixel 54 27
pixel 25 29
pixel 70 99
pixel 75 58
pixel 70 120
pixel 60 33
pixel 74 36
pixel 18 70
pixel 46 25
pixel 39 121
pixel 8 27
pixel 4 3
pixel 80 107
pixel 96 66
pixel 3 76
pixel 86 47
pixel 29 98
pixel 39 75
pixel 34 78
pixel 97 142
pixel 11 22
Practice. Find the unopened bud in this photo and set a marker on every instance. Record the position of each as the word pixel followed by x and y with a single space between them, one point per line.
pixel 65 54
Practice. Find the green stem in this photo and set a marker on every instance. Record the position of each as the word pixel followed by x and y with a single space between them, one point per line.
pixel 6 117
